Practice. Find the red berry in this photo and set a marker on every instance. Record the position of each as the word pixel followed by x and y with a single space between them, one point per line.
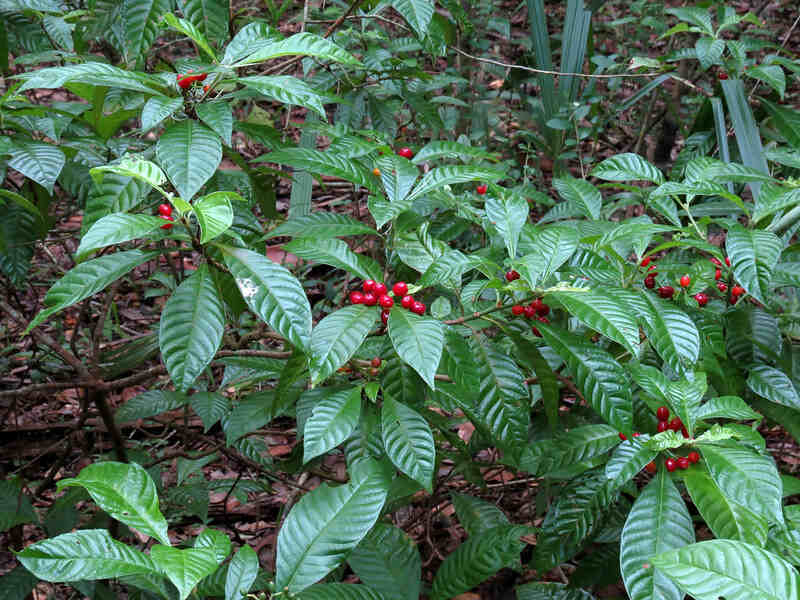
pixel 543 320
pixel 406 152
pixel 164 210
pixel 356 298
pixel 683 463
pixel 722 75
pixel 717 274
pixel 671 464
pixel 649 282
pixel 517 310
pixel 512 276
pixel 622 436
pixel 368 286
pixel 482 189
pixel 722 287
pixel 737 291
pixel 379 289
pixel 728 261
pixel 662 426
pixel 645 261
pixel 715 261
pixel 418 308
pixel 702 299
pixel 675 424
pixel 385 316
pixel 206 88
pixel 652 270
pixel 536 332
pixel 666 291
pixel 685 281
pixel 662 413
pixel 400 288
pixel 684 431
pixel 167 225
pixel 636 434
pixel 370 299
pixel 542 310
pixel 650 467
pixel 376 362
pixel 407 301
pixel 734 299
pixel 693 457
pixel 529 312
pixel 536 303
pixel 386 301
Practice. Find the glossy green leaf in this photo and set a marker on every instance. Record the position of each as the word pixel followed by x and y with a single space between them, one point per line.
pixel 158 108
pixel 785 120
pixel 140 25
pixel 388 561
pixel 219 117
pixel 339 591
pixel 324 163
pixel 242 573
pixel 117 228
pixel 547 250
pixel 748 137
pixel 337 337
pixel 418 341
pixel 774 385
pixel 568 448
pixel 249 39
pixel 477 516
pixel 336 253
pixel 214 215
pixel 551 591
pixel 38 161
pixel 508 213
pixel 726 407
pixel 398 176
pixel 408 441
pixel 92 73
pixel 209 16
pixel 287 90
pixel 672 333
pixel 440 148
pixel 580 193
pixel 210 407
pixel 332 421
pixel 684 397
pixel 142 170
pixel 441 176
pixel 417 13
pixel 150 403
pixel 753 255
pixel 628 460
pixel 189 154
pixel 184 567
pixel 191 31
pixel 302 44
pixel 628 167
pixel 116 193
pixel 321 225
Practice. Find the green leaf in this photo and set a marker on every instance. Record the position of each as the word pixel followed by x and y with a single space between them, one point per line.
pixel 210 407
pixel 191 328
pixel 581 194
pixel 725 518
pixel 209 16
pixel 745 477
pixel 150 403
pixel 184 567
pixel 672 333
pixel 91 73
pixel 250 38
pixel 271 292
pixel 38 161
pixel 142 170
pixel 551 591
pixel 417 13
pixel 140 25
pixel 117 228
pixel 126 492
pixel 287 90
pixel 418 341
pixel 508 213
pixel 438 149
pixel 337 337
pixel 628 460
pixel 214 540
pixel 190 154
pixel 59 31
pixel 219 117
pixel 336 253
pixel 476 560
pixel 324 163
pixel 477 516
pixel 774 385
pixel 332 421
pixel 726 407
pixel 753 255
pixel 748 138
pixel 192 32
pixel 398 176
pixel 321 225
pixel 569 448
pixel 408 441
pixel 684 398
pixel 158 108
pixel 786 120
pixel 301 44
pixel 242 573
pixel 729 569
pixel 658 522
pixel 628 167
pixel 601 379
pixel 603 313
pixel 87 279
pixel 388 561
pixel 549 248
pixel 214 215
pixel 339 591
pixel 325 526
pixel 441 176
pixel 85 555
pixel 772 75
pixel 709 51
pixel 773 199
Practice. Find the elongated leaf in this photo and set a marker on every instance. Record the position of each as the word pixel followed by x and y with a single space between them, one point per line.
pixel 324 163
pixel 325 526
pixel 87 279
pixel 477 516
pixel 214 215
pixel 339 591
pixel 210 407
pixel 84 555
pixel 628 167
pixel 773 199
pixel 286 89
pixel 786 120
pixel 398 176
pixel 242 573
pixel 336 338
pixel 753 255
pixel 191 328
pixel 250 38
pixel 418 341
pixel 658 522
pixel 580 193
pixel 303 44
pixel 408 441
pixel 92 73
pixel 439 149
pixel 728 569
pixel 748 138
pixel 158 108
pixel 774 385
pixel 568 448
pixel 332 421
pixel 143 170
pixel 38 161
pixel 726 518
pixel 417 13
pixel 140 25
pixel 117 228
pixel 601 379
pixel 726 407
pixel 209 16
pixel 321 225
pixel 184 567
pixel 629 458
pixel 547 250
pixel 219 117
pixel 551 591
pixel 388 561
pixel 190 154
pixel 508 214
pixel 191 31
pixel 672 333
pixel 126 492
pixel 336 253
pixel 684 398
pixel 271 292
pixel 442 176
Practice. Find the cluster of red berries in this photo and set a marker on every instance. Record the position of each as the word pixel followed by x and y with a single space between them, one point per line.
pixel 664 422
pixel 512 276
pixel 184 81
pixel 667 291
pixel 682 462
pixel 165 212
pixel 377 293
pixel 535 310
pixel 624 437
pixel 737 291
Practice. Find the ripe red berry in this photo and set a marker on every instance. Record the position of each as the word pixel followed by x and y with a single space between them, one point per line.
pixel 653 269
pixel 418 308
pixel 683 463
pixel 407 301
pixel 517 310
pixel 671 464
pixel 702 299
pixel 529 312
pixel 406 152
pixel 386 301
pixel 662 426
pixel 379 289
pixel 535 331
pixel 542 310
pixel 693 457
pixel 650 467
pixel 164 210
pixel 717 274
pixel 649 282
pixel 685 281
pixel 512 276
pixel 734 299
pixel 728 261
pixel 645 261
pixel 675 424
pixel 368 286
pixel 370 299
pixel 385 316
pixel 544 320
pixel 400 288
pixel 737 291
pixel 376 362
pixel 622 436
pixel 167 225
pixel 666 291
pixel 356 298
pixel 722 287
pixel 636 434
pixel 715 261
pixel 482 189
pixel 206 88
pixel 684 431
pixel 722 75
pixel 662 413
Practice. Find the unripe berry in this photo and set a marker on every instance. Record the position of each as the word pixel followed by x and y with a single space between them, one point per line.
pixel 376 171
